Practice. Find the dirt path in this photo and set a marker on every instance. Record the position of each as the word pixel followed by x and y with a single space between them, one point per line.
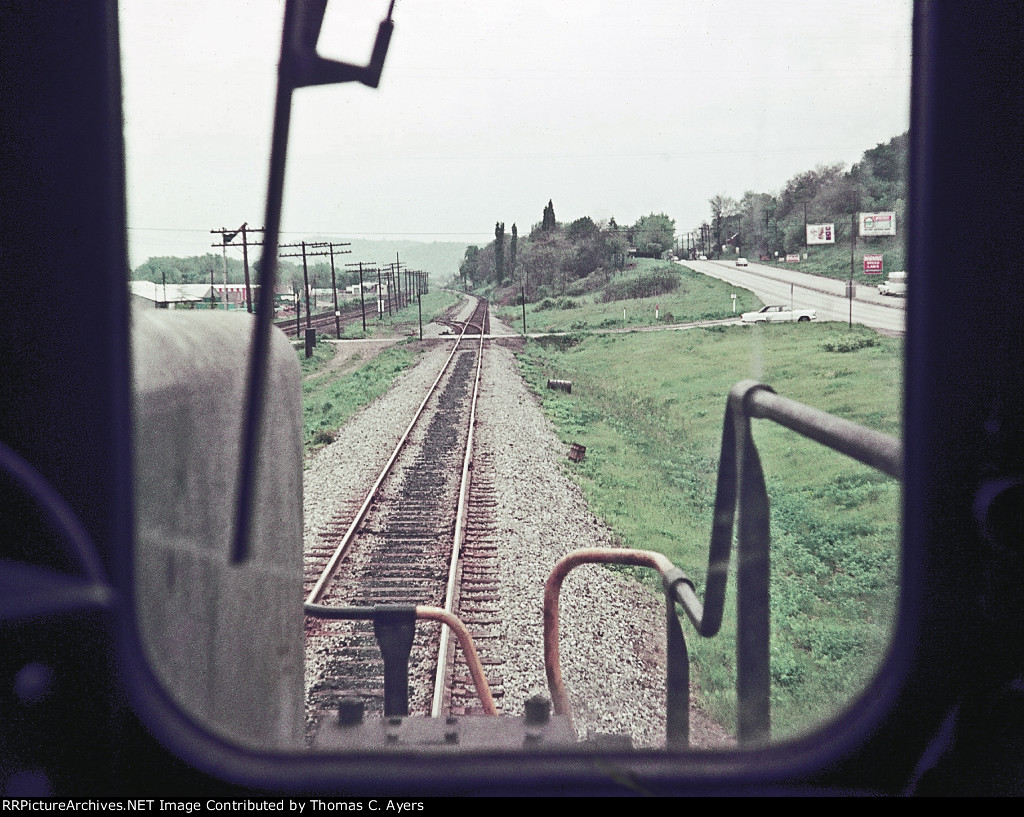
pixel 349 355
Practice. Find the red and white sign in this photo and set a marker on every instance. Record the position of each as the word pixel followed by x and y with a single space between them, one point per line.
pixel 872 264
pixel 793 258
pixel 878 223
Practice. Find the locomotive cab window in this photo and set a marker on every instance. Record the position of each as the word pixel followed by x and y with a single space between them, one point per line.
pixel 517 378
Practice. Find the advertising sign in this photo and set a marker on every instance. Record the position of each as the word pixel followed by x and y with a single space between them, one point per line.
pixel 821 233
pixel 792 258
pixel 872 264
pixel 877 224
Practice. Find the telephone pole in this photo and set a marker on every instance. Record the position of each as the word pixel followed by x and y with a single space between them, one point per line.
pixel 227 239
pixel 362 301
pixel 334 284
pixel 306 249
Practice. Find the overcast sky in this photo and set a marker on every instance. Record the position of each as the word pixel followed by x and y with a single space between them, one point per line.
pixel 487 110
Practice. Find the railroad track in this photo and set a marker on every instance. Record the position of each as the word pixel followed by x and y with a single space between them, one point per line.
pixel 401 547
pixel 322 321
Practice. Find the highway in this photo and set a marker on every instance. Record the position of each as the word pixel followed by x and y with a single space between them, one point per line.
pixel 774 285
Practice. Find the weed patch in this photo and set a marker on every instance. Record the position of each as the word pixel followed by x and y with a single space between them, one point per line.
pixel 656 282
pixel 328 401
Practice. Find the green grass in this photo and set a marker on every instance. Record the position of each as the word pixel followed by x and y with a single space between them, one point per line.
pixel 833 260
pixel 696 298
pixel 329 400
pixel 400 322
pixel 649 409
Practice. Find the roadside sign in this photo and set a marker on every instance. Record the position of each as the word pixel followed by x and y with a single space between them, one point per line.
pixel 793 258
pixel 878 224
pixel 821 233
pixel 872 264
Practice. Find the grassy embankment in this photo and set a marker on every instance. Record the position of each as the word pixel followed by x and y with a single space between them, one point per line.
pixel 649 409
pixel 696 297
pixel 331 395
pixel 400 323
pixel 833 260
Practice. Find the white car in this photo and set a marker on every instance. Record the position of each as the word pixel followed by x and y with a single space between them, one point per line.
pixel 778 313
pixel 741 261
pixel 702 258
pixel 896 285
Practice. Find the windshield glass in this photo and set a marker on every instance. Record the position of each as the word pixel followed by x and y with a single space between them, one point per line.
pixel 591 175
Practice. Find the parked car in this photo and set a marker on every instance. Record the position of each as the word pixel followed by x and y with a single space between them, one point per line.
pixel 741 261
pixel 778 313
pixel 896 285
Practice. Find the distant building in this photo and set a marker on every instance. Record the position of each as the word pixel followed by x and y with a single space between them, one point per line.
pixel 368 288
pixel 169 296
pixel 196 296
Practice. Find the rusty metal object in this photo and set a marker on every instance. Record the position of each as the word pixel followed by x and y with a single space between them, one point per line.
pixel 577 452
pixel 741 501
pixel 483 689
pixel 552 589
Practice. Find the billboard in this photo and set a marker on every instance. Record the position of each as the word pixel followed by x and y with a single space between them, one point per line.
pixel 872 264
pixel 877 224
pixel 821 233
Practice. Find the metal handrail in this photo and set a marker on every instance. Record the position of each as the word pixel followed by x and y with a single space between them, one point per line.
pixel 741 499
pixel 677 704
pixel 396 656
pixel 742 495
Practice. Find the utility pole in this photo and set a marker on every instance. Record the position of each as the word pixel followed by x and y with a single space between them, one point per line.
pixel 245 267
pixel 306 249
pixel 391 285
pixel 398 276
pixel 524 304
pixel 380 298
pixel 362 302
pixel 227 237
pixel 334 285
pixel 853 238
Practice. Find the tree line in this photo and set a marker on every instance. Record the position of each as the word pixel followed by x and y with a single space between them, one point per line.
pixel 554 255
pixel 764 224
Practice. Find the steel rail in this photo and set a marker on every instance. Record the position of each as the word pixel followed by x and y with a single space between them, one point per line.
pixel 458 536
pixel 476 670
pixel 343 545
pixel 425 613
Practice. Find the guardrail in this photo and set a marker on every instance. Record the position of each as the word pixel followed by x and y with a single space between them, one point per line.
pixel 741 501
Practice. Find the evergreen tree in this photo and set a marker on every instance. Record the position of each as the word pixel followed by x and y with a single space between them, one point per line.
pixel 512 253
pixel 549 222
pixel 499 251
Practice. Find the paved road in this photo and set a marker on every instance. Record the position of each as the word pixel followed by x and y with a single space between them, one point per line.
pixel 774 285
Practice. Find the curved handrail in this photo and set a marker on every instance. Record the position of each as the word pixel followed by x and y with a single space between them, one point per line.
pixel 426 613
pixel 741 501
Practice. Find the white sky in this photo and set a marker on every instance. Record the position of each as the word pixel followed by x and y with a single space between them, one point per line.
pixel 486 110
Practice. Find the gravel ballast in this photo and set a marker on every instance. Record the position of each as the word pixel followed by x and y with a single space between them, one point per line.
pixel 612 628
